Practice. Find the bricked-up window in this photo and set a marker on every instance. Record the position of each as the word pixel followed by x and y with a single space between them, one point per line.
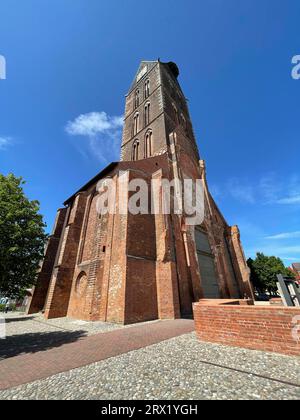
pixel 137 99
pixel 81 283
pixel 206 259
pixel 175 111
pixel 147 89
pixel 135 150
pixel 147 113
pixel 136 123
pixel 148 144
pixel 183 121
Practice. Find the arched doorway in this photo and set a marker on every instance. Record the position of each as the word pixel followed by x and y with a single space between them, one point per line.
pixel 206 260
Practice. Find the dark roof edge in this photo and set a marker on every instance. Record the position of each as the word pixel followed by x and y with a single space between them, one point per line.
pixel 100 175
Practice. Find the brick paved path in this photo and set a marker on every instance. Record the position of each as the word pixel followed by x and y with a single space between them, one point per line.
pixel 27 368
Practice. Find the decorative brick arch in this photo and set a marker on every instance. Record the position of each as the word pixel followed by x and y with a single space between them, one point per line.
pixel 81 284
pixel 89 228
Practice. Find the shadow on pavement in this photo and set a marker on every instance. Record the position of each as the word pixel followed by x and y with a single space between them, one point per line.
pixel 32 343
pixel 28 318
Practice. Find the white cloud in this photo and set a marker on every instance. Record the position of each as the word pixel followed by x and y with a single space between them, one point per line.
pixel 269 187
pixel 5 142
pixel 267 190
pixel 290 249
pixel 241 191
pixel 215 191
pixel 291 191
pixel 102 131
pixel 285 235
pixel 278 251
pixel 294 199
pixel 92 124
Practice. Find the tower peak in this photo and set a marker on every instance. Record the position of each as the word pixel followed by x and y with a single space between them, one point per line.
pixel 155 108
pixel 173 68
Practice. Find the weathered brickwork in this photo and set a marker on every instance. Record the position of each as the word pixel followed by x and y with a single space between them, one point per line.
pixel 37 301
pixel 254 327
pixel 126 268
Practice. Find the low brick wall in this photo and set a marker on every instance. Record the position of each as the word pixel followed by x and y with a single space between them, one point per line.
pixel 276 301
pixel 266 328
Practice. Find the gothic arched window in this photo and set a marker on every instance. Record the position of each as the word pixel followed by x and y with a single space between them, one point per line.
pixel 135 150
pixel 147 113
pixel 136 123
pixel 148 144
pixel 147 89
pixel 137 99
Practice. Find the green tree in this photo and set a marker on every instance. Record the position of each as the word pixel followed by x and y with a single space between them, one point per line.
pixel 22 237
pixel 264 272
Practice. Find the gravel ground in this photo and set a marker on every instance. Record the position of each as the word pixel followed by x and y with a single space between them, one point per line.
pixel 19 324
pixel 180 368
pixel 33 333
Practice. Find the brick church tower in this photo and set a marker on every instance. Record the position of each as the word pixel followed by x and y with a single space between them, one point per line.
pixel 128 268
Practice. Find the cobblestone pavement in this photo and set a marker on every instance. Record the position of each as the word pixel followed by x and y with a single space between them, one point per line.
pixel 17 323
pixel 33 333
pixel 179 368
pixel 28 357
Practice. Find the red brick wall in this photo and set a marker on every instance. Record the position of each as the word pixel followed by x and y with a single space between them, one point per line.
pixel 37 302
pixel 140 293
pixel 257 328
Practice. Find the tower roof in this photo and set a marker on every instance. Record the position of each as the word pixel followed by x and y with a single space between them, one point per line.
pixel 173 68
pixel 146 66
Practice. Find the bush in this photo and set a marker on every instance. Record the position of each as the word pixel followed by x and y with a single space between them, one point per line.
pixel 12 307
pixel 264 272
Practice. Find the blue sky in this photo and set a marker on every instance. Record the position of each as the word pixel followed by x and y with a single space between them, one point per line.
pixel 69 58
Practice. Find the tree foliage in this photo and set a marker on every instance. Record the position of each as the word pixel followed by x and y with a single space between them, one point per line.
pixel 22 237
pixel 264 272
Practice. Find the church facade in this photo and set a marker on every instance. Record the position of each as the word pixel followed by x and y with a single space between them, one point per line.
pixel 127 268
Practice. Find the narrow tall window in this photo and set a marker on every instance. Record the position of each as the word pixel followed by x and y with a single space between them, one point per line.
pixel 147 113
pixel 135 150
pixel 136 123
pixel 183 121
pixel 137 99
pixel 175 114
pixel 147 89
pixel 148 144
